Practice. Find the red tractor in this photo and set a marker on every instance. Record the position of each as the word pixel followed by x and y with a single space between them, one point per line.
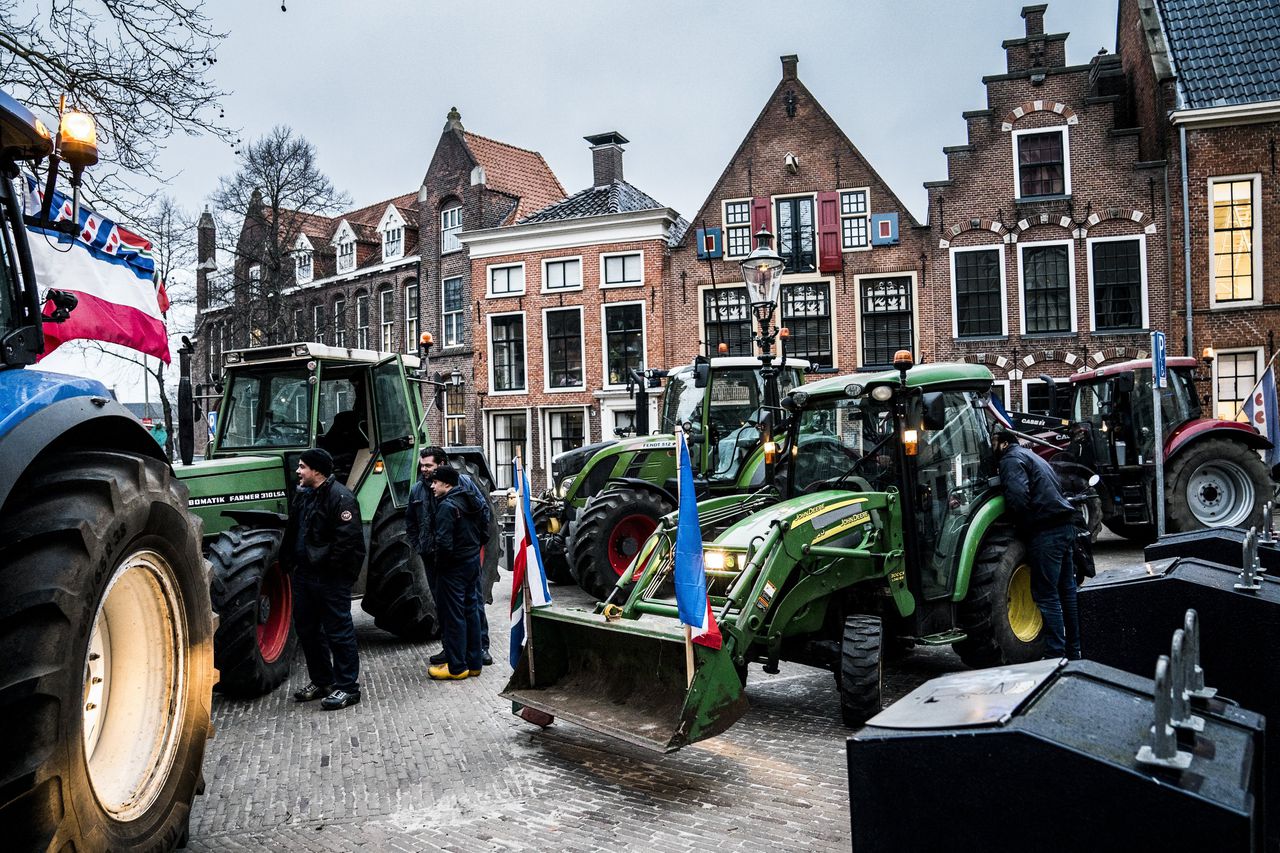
pixel 1213 475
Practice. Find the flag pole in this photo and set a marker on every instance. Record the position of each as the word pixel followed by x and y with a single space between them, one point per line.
pixel 688 655
pixel 526 597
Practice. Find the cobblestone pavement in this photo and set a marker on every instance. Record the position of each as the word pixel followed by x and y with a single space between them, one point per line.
pixel 421 765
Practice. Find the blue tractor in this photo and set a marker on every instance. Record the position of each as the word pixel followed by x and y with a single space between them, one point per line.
pixel 106 654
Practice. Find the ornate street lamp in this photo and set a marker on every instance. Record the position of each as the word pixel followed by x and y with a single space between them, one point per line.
pixel 762 273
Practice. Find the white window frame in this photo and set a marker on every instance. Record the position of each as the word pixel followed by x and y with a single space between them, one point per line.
pixel 604 259
pixel 546 351
pixel 303 262
pixel 915 307
pixel 490 435
pixel 340 321
pixel 833 303
pixel 1256 195
pixel 544 432
pixel 1027 382
pixel 1004 291
pixel 493 392
pixel 299 318
pixel 567 259
pixel 865 216
pixel 1259 363
pixel 255 273
pixel 393 243
pixel 318 314
pixel 604 339
pixel 488 280
pixel 411 316
pixel 1142 273
pixel 1066 159
pixel 725 226
pixel 387 324
pixel 1008 391
pixel 345 260
pixel 363 333
pixel 612 407
pixel 1071 286
pixel 449 229
pixel 450 418
pixel 445 315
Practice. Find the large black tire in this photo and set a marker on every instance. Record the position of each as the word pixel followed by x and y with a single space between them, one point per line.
pixel 1139 534
pixel 1216 482
pixel 1001 620
pixel 491 554
pixel 859 676
pixel 107 671
pixel 254 645
pixel 555 564
pixel 396 592
pixel 610 531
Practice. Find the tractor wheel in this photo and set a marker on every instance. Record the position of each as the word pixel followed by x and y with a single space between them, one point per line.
pixel 999 615
pixel 396 592
pixel 106 679
pixel 1216 483
pixel 610 532
pixel 491 553
pixel 555 564
pixel 1139 534
pixel 859 675
pixel 255 641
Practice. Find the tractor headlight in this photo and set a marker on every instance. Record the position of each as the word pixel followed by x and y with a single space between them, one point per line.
pixel 882 393
pixel 565 485
pixel 719 561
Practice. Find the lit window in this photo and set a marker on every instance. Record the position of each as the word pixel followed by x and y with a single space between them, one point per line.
pixel 455 415
pixel 1234 240
pixel 1236 375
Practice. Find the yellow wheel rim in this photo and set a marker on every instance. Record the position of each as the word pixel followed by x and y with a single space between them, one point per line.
pixel 1024 615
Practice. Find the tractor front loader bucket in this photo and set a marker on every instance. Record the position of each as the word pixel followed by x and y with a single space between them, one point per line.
pixel 628 679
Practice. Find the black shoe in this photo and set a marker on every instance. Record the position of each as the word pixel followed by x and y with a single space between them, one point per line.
pixel 339 699
pixel 437 659
pixel 487 659
pixel 310 693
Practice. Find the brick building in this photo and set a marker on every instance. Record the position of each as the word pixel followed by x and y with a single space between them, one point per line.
pixel 573 298
pixel 473 183
pixel 1207 79
pixel 1048 251
pixel 853 253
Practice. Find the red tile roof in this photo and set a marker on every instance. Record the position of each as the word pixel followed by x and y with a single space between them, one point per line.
pixel 517 172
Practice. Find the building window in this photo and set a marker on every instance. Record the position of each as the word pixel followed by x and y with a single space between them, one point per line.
pixel 1236 375
pixel 1116 270
pixel 362 321
pixel 979 292
pixel 299 324
pixel 317 321
pixel 339 322
pixel 563 330
pixel 1040 158
pixel 562 275
pixel 623 340
pixel 387 316
pixel 853 220
pixel 393 242
pixel 450 227
pixel 726 319
pixel 796 238
pixel 1233 240
pixel 255 275
pixel 886 319
pixel 303 270
pixel 451 311
pixel 806 311
pixel 504 281
pixel 566 430
pixel 1035 397
pixel 455 415
pixel 506 341
pixel 1046 289
pixel 411 317
pixel 623 270
pixel 510 437
pixel 347 256
pixel 737 228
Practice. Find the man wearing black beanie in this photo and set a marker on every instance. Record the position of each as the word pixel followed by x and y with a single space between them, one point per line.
pixel 323 547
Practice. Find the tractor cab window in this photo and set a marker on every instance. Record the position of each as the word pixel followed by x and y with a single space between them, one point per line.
pixel 267 410
pixel 1090 402
pixel 9 296
pixel 395 429
pixel 342 420
pixel 681 400
pixel 1175 408
pixel 844 443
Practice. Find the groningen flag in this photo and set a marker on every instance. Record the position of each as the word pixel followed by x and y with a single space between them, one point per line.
pixel 527 567
pixel 1260 408
pixel 690 570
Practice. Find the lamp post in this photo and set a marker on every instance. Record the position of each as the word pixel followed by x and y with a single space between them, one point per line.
pixel 762 273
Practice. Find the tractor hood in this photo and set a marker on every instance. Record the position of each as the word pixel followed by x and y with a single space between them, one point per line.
pixel 235 483
pixel 572 461
pixel 831 513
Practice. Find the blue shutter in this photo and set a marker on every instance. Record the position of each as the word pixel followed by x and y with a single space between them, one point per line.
pixel 884 229
pixel 709 243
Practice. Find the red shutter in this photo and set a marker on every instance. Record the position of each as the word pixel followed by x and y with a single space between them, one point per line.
pixel 760 218
pixel 830 256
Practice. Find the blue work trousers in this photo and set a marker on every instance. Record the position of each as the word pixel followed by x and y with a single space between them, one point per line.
pixel 460 610
pixel 322 618
pixel 1053 586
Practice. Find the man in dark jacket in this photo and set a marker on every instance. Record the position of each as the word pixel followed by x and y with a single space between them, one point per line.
pixel 323 547
pixel 1044 518
pixel 457 550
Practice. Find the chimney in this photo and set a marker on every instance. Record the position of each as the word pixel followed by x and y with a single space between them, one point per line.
pixel 789 63
pixel 1034 16
pixel 606 156
pixel 206 240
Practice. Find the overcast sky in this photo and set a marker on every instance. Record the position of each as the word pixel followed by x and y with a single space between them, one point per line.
pixel 370 84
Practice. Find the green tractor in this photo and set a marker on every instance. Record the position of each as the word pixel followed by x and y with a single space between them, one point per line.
pixel 277 401
pixel 888 531
pixel 606 498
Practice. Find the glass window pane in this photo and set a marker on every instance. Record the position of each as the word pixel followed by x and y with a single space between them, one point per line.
pixel 1046 289
pixel 978 292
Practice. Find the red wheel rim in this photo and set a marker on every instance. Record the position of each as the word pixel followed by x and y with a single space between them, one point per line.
pixel 627 538
pixel 275 613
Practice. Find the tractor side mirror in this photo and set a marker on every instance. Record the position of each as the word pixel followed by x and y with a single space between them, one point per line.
pixel 701 374
pixel 935 410
pixel 1124 382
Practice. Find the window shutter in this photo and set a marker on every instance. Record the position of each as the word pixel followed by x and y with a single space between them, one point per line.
pixel 884 229
pixel 760 218
pixel 709 243
pixel 830 256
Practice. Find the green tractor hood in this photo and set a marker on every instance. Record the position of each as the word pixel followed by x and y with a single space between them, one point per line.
pixel 235 483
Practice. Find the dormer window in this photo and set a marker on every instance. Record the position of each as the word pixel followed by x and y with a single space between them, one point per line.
pixel 346 256
pixel 450 227
pixel 393 242
pixel 303 271
pixel 255 274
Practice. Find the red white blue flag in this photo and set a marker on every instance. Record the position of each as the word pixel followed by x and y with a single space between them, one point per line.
pixel 690 570
pixel 1261 409
pixel 527 566
pixel 110 270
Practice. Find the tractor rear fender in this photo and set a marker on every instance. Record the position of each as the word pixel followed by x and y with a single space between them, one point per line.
pixel 987 515
pixel 1201 428
pixel 89 422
